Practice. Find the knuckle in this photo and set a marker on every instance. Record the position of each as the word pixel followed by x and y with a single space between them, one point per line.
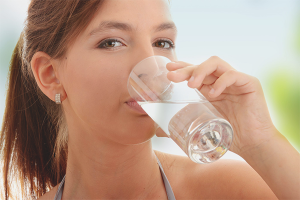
pixel 214 58
pixel 255 80
pixel 231 72
pixel 198 72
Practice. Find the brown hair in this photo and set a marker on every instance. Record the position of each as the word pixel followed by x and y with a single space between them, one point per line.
pixel 32 143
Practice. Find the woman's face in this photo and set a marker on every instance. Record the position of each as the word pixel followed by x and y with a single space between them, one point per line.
pixel 97 66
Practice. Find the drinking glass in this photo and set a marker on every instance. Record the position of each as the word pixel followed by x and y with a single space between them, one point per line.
pixel 183 113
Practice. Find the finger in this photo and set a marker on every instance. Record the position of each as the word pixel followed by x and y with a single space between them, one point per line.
pixel 210 79
pixel 221 66
pixel 160 133
pixel 181 74
pixel 229 78
pixel 214 65
pixel 205 89
pixel 174 66
pixel 171 66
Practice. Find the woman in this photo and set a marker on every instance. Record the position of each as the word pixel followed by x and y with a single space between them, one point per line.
pixel 68 119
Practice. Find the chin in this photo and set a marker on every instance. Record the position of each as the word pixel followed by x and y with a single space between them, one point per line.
pixel 134 130
pixel 137 134
pixel 139 140
pixel 138 137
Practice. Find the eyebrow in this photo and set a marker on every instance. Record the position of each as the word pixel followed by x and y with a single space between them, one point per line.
pixel 107 25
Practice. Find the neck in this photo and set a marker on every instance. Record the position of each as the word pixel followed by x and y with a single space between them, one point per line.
pixel 110 171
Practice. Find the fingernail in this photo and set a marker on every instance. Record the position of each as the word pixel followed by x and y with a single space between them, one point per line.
pixel 212 91
pixel 191 79
pixel 174 62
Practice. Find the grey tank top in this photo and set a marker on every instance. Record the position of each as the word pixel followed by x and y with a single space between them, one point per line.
pixel 169 190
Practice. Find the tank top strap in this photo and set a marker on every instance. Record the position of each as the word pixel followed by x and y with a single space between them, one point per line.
pixel 169 190
pixel 60 189
pixel 168 187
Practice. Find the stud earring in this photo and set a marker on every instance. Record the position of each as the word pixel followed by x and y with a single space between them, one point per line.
pixel 57 99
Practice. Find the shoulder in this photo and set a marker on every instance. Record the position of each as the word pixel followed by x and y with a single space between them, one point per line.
pixel 222 179
pixel 49 195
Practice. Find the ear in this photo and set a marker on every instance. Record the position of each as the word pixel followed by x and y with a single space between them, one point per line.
pixel 46 75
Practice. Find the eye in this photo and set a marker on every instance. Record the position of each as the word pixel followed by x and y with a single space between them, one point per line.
pixel 113 43
pixel 109 44
pixel 165 44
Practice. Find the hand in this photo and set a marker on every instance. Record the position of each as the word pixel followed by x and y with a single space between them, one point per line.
pixel 237 96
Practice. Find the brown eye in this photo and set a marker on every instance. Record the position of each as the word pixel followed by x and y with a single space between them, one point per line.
pixel 165 44
pixel 110 43
pixel 160 44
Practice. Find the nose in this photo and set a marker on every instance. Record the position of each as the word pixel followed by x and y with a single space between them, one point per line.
pixel 143 51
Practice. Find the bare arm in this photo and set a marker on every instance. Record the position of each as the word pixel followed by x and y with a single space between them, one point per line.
pixel 240 99
pixel 278 163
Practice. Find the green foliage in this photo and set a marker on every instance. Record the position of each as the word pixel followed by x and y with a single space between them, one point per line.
pixel 284 87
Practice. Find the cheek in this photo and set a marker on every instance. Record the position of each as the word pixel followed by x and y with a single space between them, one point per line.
pixel 95 95
pixel 97 88
pixel 93 89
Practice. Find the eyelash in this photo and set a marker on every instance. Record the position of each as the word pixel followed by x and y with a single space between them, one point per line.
pixel 102 43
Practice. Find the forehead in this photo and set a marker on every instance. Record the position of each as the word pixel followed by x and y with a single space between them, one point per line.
pixel 138 14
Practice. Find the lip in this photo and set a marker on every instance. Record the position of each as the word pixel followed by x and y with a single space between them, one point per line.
pixel 132 104
pixel 133 100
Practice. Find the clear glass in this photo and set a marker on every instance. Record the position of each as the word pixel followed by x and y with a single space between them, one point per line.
pixel 183 113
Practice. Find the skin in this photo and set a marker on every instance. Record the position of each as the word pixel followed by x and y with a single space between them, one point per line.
pixel 110 154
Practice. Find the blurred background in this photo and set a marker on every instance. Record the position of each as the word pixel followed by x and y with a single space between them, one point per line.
pixel 257 37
